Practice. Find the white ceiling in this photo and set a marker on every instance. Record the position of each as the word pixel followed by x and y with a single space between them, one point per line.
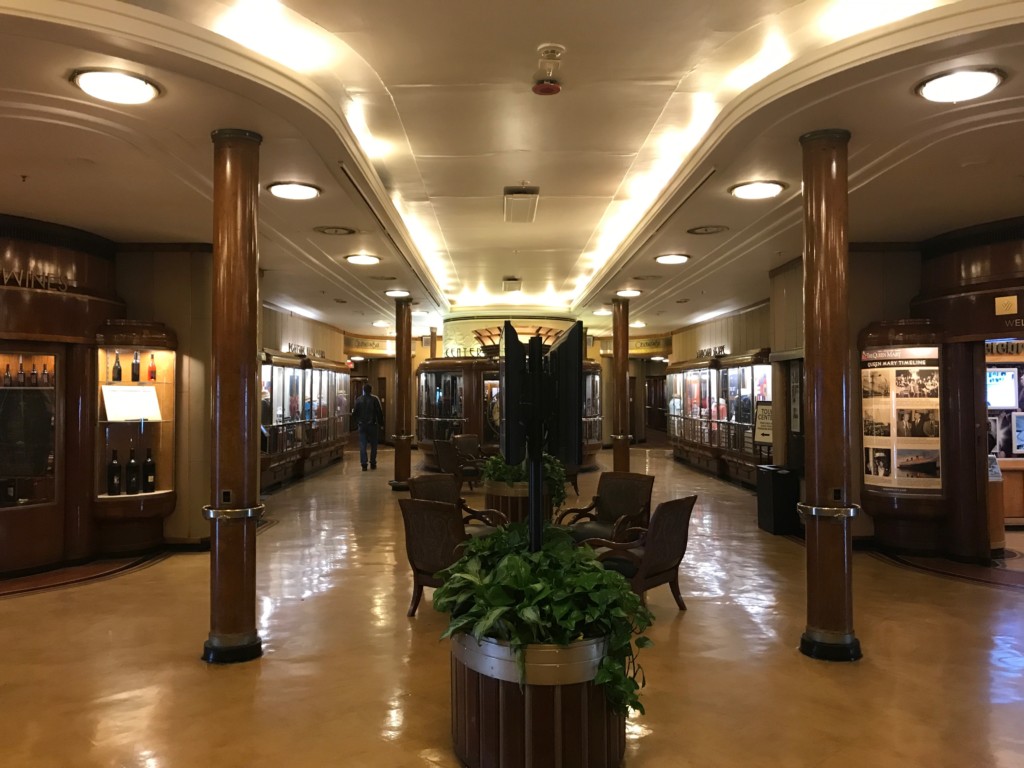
pixel 653 89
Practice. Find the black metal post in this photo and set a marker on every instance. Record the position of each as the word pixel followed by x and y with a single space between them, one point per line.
pixel 535 442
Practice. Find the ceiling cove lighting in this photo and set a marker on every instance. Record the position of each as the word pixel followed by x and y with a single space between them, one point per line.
pixel 396 293
pixel 117 87
pixel 628 293
pixel 293 190
pixel 672 258
pixel 757 190
pixel 962 85
pixel 362 259
pixel 602 312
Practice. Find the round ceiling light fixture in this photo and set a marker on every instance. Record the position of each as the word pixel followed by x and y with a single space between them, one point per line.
pixel 672 258
pixel 638 324
pixel 628 293
pixel 293 190
pixel 602 312
pixel 334 230
pixel 396 293
pixel 115 86
pixel 381 323
pixel 757 190
pixel 960 85
pixel 362 259
pixel 708 229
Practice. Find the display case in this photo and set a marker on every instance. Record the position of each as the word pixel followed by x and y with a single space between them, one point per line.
pixel 134 461
pixel 710 413
pixel 593 437
pixel 28 437
pixel 304 415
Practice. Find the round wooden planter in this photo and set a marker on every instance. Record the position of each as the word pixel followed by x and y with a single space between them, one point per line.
pixel 513 499
pixel 559 718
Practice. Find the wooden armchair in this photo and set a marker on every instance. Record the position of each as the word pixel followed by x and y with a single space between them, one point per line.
pixel 453 462
pixel 468 445
pixel 653 558
pixel 444 487
pixel 623 500
pixel 434 534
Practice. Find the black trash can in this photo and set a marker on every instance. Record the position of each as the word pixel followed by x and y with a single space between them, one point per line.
pixel 778 491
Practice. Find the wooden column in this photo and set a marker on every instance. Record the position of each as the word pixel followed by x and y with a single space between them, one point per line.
pixel 403 394
pixel 620 368
pixel 80 441
pixel 433 343
pixel 827 510
pixel 235 506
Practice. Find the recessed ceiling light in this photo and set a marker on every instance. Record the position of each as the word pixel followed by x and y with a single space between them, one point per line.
pixel 337 231
pixel 341 301
pixel 293 190
pixel 384 278
pixel 682 301
pixel 396 293
pixel 357 359
pixel 657 359
pixel 962 85
pixel 420 312
pixel 672 258
pixel 638 324
pixel 708 229
pixel 362 259
pixel 629 293
pixel 381 323
pixel 602 312
pixel 757 190
pixel 114 86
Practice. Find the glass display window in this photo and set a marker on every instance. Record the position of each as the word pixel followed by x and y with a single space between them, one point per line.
pixel 592 428
pixel 491 402
pixel 28 413
pixel 440 405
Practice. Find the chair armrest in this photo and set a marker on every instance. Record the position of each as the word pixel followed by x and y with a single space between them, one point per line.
pixel 623 525
pixel 580 512
pixel 492 517
pixel 619 550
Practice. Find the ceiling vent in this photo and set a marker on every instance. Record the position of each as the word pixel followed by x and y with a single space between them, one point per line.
pixel 511 284
pixel 521 204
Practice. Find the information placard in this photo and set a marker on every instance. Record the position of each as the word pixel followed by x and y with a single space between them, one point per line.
pixel 131 403
pixel 763 422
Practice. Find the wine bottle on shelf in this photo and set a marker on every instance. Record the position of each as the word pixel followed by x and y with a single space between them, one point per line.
pixel 115 373
pixel 44 379
pixel 132 473
pixel 8 381
pixel 21 372
pixel 151 371
pixel 135 367
pixel 149 473
pixel 113 475
pixel 33 377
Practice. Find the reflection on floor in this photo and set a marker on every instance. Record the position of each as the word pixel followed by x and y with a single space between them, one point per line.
pixel 108 673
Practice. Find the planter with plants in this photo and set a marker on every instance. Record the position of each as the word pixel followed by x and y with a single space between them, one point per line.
pixel 544 650
pixel 506 488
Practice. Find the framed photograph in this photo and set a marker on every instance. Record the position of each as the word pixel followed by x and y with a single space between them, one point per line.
pixel 1018 432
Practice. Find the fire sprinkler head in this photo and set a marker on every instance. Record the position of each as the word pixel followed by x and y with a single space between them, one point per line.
pixel 547 87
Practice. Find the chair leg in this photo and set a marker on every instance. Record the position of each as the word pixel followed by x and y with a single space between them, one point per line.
pixel 417 593
pixel 674 586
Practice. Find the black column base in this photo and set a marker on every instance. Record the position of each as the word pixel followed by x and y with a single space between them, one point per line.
pixel 399 485
pixel 816 649
pixel 232 654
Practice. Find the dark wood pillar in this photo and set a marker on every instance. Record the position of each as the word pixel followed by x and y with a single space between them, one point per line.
pixel 620 368
pixel 827 510
pixel 433 343
pixel 403 394
pixel 80 441
pixel 235 506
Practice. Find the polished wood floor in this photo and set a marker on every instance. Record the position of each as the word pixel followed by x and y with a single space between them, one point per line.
pixel 107 674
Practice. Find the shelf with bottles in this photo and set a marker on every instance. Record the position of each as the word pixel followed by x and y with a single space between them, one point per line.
pixel 28 439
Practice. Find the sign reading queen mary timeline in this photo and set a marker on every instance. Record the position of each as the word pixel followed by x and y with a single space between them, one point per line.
pixel 900 405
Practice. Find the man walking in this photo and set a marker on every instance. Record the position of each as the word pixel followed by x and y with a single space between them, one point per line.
pixel 369 418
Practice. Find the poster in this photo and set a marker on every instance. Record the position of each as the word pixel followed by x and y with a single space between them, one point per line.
pixel 901 418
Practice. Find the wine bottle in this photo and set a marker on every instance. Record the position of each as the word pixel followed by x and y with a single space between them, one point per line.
pixel 8 381
pixel 113 475
pixel 149 473
pixel 21 372
pixel 115 374
pixel 135 367
pixel 33 377
pixel 151 372
pixel 132 473
pixel 45 377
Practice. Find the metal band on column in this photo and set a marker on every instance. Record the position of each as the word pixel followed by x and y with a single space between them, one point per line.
pixel 235 505
pixel 827 510
pixel 403 394
pixel 620 367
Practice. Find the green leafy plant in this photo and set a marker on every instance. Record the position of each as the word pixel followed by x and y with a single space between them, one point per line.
pixel 498 589
pixel 497 470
